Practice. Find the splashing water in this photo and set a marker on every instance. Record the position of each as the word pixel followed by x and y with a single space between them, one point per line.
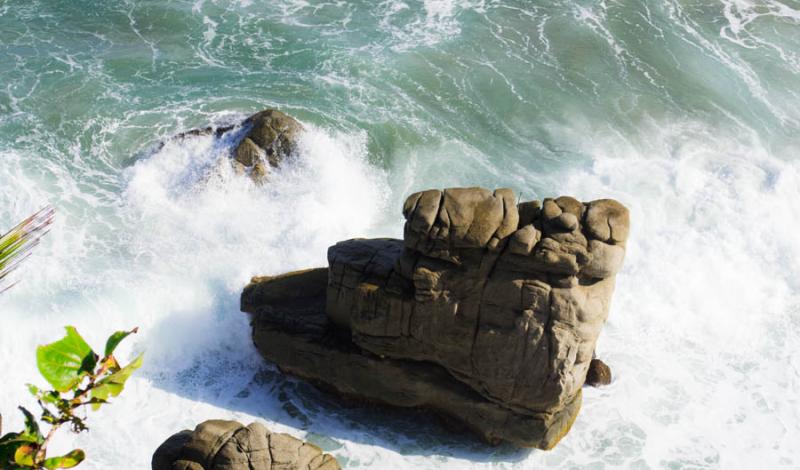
pixel 687 112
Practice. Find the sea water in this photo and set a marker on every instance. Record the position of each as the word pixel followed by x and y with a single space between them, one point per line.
pixel 687 111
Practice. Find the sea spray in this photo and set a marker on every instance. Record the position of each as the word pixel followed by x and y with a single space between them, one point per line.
pixel 685 111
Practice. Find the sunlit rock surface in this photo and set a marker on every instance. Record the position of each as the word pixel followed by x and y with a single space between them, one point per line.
pixel 487 312
pixel 229 445
pixel 270 136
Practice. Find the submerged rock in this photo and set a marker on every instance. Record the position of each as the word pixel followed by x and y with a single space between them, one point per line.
pixel 487 312
pixel 229 445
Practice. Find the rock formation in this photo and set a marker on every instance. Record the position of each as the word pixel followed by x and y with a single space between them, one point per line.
pixel 487 312
pixel 270 137
pixel 228 445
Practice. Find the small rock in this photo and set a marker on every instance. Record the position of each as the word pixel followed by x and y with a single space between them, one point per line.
pixel 599 374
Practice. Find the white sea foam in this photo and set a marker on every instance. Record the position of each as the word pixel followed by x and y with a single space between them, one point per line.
pixel 432 22
pixel 702 336
pixel 186 245
pixel 703 323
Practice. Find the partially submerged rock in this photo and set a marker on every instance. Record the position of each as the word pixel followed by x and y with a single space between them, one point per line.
pixel 229 445
pixel 487 312
pixel 270 137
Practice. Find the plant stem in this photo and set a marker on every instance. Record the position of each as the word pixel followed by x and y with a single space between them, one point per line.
pixel 41 453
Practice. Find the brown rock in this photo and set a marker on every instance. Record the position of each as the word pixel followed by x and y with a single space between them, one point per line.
pixel 248 153
pixel 229 445
pixel 599 374
pixel 608 221
pixel 475 315
pixel 271 138
pixel 274 132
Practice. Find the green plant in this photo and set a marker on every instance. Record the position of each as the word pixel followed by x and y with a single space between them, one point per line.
pixel 16 245
pixel 80 378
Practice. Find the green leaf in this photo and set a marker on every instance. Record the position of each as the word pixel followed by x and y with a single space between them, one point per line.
pixel 17 243
pixel 65 461
pixel 24 455
pixel 15 437
pixel 114 383
pixel 8 447
pixel 34 390
pixel 101 393
pixel 67 361
pixel 116 338
pixel 31 426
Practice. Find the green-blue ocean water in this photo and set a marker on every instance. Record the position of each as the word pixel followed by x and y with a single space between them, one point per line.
pixel 686 111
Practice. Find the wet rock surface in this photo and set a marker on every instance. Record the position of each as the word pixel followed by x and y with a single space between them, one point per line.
pixel 229 445
pixel 270 137
pixel 487 312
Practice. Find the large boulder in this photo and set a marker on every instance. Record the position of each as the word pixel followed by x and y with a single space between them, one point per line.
pixel 486 312
pixel 229 445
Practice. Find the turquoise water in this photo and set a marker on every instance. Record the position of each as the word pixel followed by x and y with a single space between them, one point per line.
pixel 686 111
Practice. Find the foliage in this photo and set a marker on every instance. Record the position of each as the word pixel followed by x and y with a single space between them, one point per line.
pixel 80 378
pixel 16 245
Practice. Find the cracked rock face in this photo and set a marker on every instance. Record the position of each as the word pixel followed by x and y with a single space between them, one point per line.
pixel 229 445
pixel 487 311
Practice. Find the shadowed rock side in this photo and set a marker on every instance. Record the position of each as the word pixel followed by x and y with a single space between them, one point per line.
pixel 229 445
pixel 487 312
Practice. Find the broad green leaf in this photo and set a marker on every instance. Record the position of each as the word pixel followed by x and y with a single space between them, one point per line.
pixel 115 339
pixel 67 361
pixel 24 455
pixel 65 461
pixel 31 426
